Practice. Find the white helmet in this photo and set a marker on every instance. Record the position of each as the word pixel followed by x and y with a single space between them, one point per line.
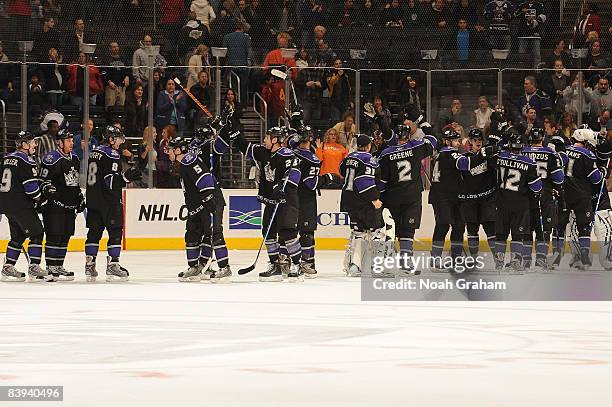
pixel 585 136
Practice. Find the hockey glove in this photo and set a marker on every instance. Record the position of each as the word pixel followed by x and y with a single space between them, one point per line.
pixel 209 202
pixel 368 110
pixel 81 205
pixel 490 151
pixel 132 174
pixel 279 194
pixel 48 190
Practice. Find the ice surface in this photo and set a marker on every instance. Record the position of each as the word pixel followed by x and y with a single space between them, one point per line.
pixel 157 342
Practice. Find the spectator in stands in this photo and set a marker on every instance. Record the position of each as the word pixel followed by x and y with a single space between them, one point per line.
pixel 461 42
pixel 601 97
pixel 204 12
pixel 325 55
pixel 331 153
pixel 232 102
pixel 162 164
pixel 482 115
pixel 589 22
pixel 392 15
pixel 47 38
pixel 197 63
pixel 239 55
pixel 455 114
pixel 284 18
pixel 438 15
pixel 573 100
pixel 7 71
pixel 171 107
pixel 36 93
pixel 319 33
pixel 346 130
pixel 498 13
pixel 596 59
pixel 52 8
pixel 531 19
pixel 533 97
pixel 559 52
pixel 132 10
pixel 202 91
pixel 72 44
pixel 172 14
pixel 601 121
pixel 339 88
pixel 8 94
pixel 463 10
pixel 559 81
pixel 267 94
pixel 140 62
pixel 46 142
pixel 260 21
pixel 409 94
pixel 158 87
pixel 19 22
pixel 79 140
pixel 117 77
pixel 530 121
pixel 135 112
pixel 303 60
pixel 347 14
pixel 313 13
pixel 312 82
pixel 54 77
pixel 75 81
pixel 275 57
pixel 567 124
pixel 382 112
pixel 550 126
pixel 146 147
pixel 193 33
pixel 369 14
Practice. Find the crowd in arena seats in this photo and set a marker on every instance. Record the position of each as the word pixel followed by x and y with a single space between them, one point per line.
pixel 255 31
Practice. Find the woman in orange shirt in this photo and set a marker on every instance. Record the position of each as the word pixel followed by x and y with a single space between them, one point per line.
pixel 331 153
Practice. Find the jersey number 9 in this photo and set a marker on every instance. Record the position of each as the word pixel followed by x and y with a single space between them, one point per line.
pixel 7 177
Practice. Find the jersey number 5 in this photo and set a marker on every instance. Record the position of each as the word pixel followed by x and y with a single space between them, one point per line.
pixel 7 177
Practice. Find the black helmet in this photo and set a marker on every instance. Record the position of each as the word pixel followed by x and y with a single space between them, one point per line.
pixel 363 140
pixel 23 136
pixel 181 143
pixel 204 133
pixel 450 134
pixel 403 131
pixel 111 131
pixel 64 134
pixel 279 132
pixel 515 140
pixel 475 134
pixel 536 134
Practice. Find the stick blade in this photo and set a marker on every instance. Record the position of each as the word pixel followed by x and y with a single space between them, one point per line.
pixel 278 74
pixel 246 270
pixel 177 81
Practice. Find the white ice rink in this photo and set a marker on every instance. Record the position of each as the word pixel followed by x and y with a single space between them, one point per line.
pixel 156 342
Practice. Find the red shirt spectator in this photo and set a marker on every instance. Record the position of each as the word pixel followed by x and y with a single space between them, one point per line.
pixel 172 11
pixel 275 57
pixel 19 8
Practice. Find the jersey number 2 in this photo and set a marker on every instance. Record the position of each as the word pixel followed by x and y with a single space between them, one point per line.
pixel 404 171
pixel 510 181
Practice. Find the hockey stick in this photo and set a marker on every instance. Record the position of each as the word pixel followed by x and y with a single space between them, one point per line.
pixel 192 96
pixel 252 266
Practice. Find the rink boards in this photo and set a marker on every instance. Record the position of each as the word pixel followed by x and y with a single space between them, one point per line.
pixel 155 220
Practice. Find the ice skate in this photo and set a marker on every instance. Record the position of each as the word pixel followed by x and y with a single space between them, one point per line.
pixel 37 274
pixel 114 272
pixel 222 275
pixel 353 271
pixel 383 274
pixel 515 266
pixel 407 268
pixel 192 274
pixel 576 262
pixel 555 260
pixel 90 270
pixel 60 273
pixel 205 269
pixel 285 265
pixel 10 273
pixel 309 270
pixel 541 265
pixel 585 259
pixel 272 274
pixel 296 273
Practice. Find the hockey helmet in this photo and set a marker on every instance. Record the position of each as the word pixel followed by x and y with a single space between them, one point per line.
pixel 363 140
pixel 180 143
pixel 475 134
pixel 23 136
pixel 64 134
pixel 536 134
pixel 514 138
pixel 584 136
pixel 204 133
pixel 450 134
pixel 112 131
pixel 280 133
pixel 403 131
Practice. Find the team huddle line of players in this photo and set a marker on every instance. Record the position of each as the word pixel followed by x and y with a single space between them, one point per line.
pixel 502 184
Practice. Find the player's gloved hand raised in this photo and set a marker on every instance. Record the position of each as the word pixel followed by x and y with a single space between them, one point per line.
pixel 49 190
pixel 132 174
pixel 279 194
pixel 81 205
pixel 490 151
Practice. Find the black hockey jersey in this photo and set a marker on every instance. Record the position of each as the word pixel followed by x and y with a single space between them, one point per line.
pixel 446 178
pixel 63 172
pixel 104 178
pixel 19 186
pixel 580 173
pixel 197 182
pixel 359 170
pixel 499 14
pixel 531 18
pixel 516 176
pixel 400 170
pixel 479 176
pixel 310 165
pixel 549 166
pixel 210 151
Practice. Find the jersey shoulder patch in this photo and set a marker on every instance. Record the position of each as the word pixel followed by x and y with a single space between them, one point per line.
pixel 285 152
pixel 52 157
pixel 108 151
pixel 189 159
pixel 23 156
pixel 307 155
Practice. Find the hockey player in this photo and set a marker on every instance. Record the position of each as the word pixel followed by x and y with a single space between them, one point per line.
pixel 543 212
pixel 581 173
pixel 516 177
pixel 199 189
pixel 60 168
pixel 361 199
pixel 105 182
pixel 602 224
pixel 210 148
pixel 444 197
pixel 478 190
pixel 279 178
pixel 401 185
pixel 20 196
